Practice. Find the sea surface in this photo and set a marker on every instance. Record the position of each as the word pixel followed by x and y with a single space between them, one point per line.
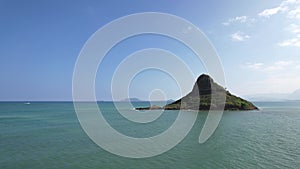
pixel 49 135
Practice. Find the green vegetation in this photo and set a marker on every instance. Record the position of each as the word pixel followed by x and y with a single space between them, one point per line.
pixel 206 95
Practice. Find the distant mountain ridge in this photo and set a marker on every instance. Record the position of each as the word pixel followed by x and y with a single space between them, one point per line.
pixel 132 100
pixel 200 98
pixel 294 96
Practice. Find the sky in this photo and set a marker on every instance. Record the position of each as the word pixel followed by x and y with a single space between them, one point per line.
pixel 258 42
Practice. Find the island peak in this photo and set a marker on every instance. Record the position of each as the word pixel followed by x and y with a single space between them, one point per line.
pixel 200 98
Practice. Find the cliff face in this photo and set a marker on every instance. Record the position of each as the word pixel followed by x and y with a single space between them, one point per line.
pixel 200 98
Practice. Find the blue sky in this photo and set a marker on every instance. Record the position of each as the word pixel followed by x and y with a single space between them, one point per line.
pixel 258 42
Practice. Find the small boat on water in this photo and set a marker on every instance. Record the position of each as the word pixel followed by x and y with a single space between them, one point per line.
pixel 27 103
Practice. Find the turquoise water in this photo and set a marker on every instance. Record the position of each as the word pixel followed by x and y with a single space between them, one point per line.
pixel 48 135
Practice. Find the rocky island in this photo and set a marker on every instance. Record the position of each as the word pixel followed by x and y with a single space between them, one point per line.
pixel 200 98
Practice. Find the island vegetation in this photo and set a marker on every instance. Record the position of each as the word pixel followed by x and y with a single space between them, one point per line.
pixel 200 98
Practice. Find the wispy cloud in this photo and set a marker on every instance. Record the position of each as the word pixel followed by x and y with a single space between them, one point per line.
pixel 278 65
pixel 291 7
pixel 294 14
pixel 291 42
pixel 269 12
pixel 255 66
pixel 239 36
pixel 293 28
pixel 281 76
pixel 294 41
pixel 239 19
pixel 273 83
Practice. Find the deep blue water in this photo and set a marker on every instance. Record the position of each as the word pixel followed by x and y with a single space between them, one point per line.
pixel 48 135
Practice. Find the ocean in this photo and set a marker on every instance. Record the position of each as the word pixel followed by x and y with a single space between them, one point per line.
pixel 49 135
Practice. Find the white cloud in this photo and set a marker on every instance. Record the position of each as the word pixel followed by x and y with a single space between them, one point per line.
pixel 290 2
pixel 294 41
pixel 275 83
pixel 269 12
pixel 239 36
pixel 279 65
pixel 226 23
pixel 294 14
pixel 287 6
pixel 293 28
pixel 291 42
pixel 277 77
pixel 240 19
pixel 255 66
pixel 283 63
pixel 290 9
